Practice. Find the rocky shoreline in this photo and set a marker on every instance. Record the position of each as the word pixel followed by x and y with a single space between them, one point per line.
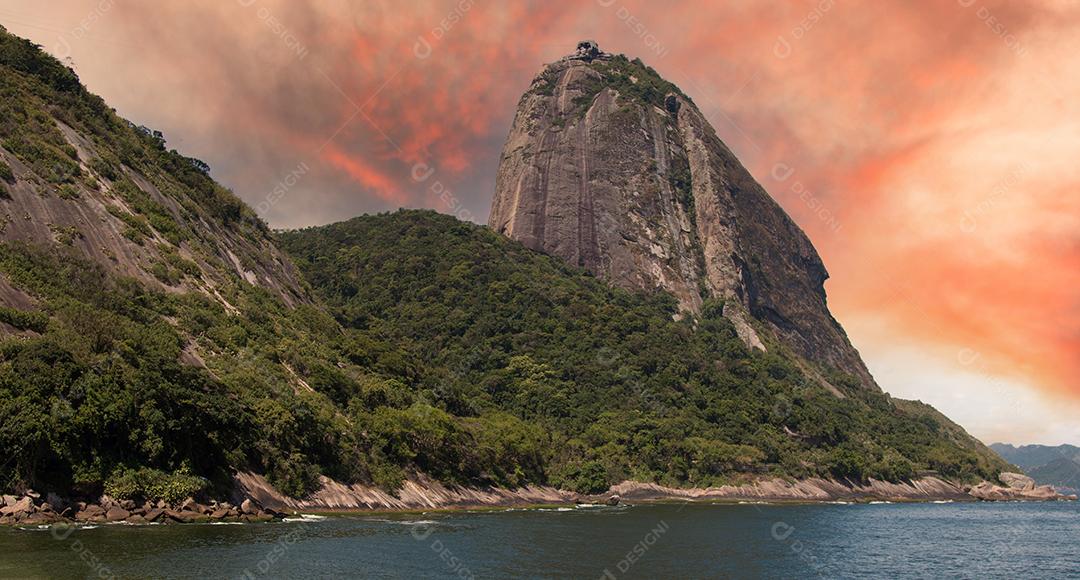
pixel 426 494
pixel 31 509
pixel 257 501
pixel 1018 488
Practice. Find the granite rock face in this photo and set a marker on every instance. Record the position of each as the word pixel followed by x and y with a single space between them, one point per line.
pixel 138 224
pixel 614 169
pixel 1017 481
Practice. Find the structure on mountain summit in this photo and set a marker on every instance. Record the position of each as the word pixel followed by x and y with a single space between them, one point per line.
pixel 614 169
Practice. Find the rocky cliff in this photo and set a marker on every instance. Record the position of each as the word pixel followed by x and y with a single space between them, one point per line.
pixel 75 175
pixel 614 169
pixel 155 338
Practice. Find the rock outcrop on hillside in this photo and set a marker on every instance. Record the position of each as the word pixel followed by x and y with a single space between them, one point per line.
pixel 97 220
pixel 1018 487
pixel 75 175
pixel 614 169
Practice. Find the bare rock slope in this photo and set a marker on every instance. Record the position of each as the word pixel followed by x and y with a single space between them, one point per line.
pixel 614 169
pixel 75 175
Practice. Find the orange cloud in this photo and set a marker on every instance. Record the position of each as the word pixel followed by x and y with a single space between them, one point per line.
pixel 940 139
pixel 376 181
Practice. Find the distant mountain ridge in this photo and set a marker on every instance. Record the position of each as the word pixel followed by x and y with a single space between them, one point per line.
pixel 1047 465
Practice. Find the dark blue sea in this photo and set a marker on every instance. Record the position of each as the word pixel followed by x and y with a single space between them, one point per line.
pixel 955 540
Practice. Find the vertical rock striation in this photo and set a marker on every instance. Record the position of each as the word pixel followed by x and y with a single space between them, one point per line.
pixel 614 169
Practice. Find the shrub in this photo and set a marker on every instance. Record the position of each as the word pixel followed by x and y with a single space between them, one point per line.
pixel 150 484
pixel 588 477
pixel 23 319
pixel 67 191
pixel 105 168
pixel 5 172
pixel 165 274
pixel 294 476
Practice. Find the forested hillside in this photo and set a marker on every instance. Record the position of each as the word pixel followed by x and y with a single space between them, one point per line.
pixel 152 336
pixel 621 389
pixel 155 339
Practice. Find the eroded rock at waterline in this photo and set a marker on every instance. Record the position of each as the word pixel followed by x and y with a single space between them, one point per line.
pixel 1017 487
pixel 1017 481
pixel 417 493
pixel 824 490
pixel 29 511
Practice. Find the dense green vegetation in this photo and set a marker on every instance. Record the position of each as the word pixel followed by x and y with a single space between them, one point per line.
pixel 636 83
pixel 105 377
pixel 429 345
pixel 621 388
pixel 632 79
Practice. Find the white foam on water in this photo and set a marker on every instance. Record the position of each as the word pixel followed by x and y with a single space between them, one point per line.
pixel 304 518
pixel 47 527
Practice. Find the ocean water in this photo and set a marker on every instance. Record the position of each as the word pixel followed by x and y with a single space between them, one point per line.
pixel 1009 540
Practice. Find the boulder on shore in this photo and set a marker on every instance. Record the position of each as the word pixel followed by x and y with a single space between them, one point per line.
pixel 181 516
pixel 38 518
pixel 91 513
pixel 1019 490
pixel 117 514
pixel 22 507
pixel 248 507
pixel 58 503
pixel 1017 481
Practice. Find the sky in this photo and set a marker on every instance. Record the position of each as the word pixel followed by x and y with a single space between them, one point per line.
pixel 929 149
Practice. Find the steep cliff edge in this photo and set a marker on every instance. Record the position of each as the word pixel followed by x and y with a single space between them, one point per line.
pixel 76 175
pixel 614 169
